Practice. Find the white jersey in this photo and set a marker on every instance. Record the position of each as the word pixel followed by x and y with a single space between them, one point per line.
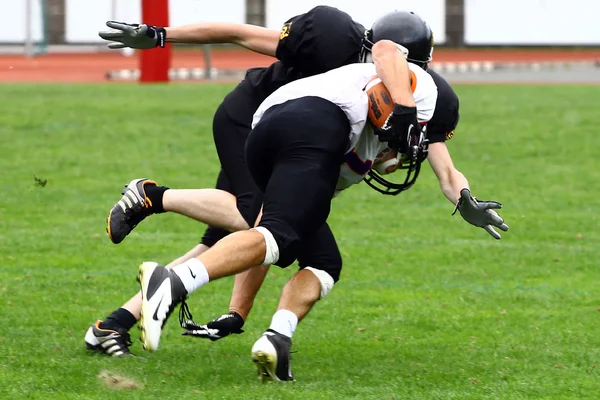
pixel 344 87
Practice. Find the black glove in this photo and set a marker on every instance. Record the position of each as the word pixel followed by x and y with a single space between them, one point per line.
pixel 400 129
pixel 480 213
pixel 216 329
pixel 135 36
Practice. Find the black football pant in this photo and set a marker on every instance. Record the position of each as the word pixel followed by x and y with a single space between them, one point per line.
pixel 230 133
pixel 294 155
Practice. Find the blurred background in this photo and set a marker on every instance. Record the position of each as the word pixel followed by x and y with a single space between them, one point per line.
pixel 514 40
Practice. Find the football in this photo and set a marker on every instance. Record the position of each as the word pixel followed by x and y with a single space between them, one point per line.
pixel 380 102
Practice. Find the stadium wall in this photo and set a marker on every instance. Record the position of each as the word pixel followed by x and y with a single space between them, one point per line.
pixel 507 22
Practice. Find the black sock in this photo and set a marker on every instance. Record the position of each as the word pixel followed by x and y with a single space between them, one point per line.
pixel 155 194
pixel 120 318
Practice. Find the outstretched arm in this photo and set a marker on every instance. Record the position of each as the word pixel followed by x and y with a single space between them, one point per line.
pixel 455 187
pixel 452 181
pixel 142 36
pixel 252 37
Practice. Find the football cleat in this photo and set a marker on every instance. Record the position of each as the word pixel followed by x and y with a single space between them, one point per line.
pixel 133 207
pixel 162 291
pixel 112 342
pixel 271 355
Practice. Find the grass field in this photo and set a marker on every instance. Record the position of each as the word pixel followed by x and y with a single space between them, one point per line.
pixel 428 306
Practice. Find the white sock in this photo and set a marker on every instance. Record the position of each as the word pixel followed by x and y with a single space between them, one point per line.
pixel 284 322
pixel 192 273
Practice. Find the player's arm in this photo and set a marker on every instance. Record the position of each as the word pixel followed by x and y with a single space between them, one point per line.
pixel 455 187
pixel 142 36
pixel 392 68
pixel 255 38
pixel 452 181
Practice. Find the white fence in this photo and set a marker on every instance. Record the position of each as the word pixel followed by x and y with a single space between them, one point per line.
pixel 365 12
pixel 517 22
pixel 15 21
pixel 532 22
pixel 85 18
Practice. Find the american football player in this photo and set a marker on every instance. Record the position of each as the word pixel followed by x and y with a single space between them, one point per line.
pixel 301 135
pixel 338 41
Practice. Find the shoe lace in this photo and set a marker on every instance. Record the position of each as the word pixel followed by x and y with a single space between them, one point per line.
pixel 125 337
pixel 185 315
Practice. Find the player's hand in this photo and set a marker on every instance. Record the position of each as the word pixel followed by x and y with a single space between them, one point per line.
pixel 480 213
pixel 135 36
pixel 399 128
pixel 216 329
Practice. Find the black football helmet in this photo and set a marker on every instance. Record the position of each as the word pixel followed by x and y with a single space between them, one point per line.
pixel 404 28
pixel 410 31
pixel 410 159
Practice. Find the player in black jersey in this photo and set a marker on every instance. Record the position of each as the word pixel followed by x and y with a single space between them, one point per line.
pixel 311 43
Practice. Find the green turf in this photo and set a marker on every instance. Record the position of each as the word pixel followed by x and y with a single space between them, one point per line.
pixel 428 306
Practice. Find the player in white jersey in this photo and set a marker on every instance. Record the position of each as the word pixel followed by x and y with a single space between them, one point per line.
pixel 345 87
pixel 301 135
pixel 294 153
pixel 321 39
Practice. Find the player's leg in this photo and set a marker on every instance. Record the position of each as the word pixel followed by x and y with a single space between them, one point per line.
pixel 294 155
pixel 215 207
pixel 143 197
pixel 111 335
pixel 230 135
pixel 321 264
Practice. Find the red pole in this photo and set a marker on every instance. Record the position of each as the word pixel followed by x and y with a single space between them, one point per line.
pixel 155 63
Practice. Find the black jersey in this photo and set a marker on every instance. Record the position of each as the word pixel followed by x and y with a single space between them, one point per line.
pixel 318 41
pixel 323 39
pixel 445 116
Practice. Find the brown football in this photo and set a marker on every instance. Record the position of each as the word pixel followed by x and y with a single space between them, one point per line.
pixel 380 102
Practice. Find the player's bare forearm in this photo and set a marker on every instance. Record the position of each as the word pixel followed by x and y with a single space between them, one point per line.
pixel 452 186
pixel 452 181
pixel 255 38
pixel 392 69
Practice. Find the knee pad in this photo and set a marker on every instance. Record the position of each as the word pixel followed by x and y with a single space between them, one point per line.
pixel 325 279
pixel 272 253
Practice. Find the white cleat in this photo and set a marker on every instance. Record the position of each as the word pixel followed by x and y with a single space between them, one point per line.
pixel 271 355
pixel 162 290
pixel 112 342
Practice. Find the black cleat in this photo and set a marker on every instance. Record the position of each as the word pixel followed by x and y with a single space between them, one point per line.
pixel 162 291
pixel 271 354
pixel 133 207
pixel 112 342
